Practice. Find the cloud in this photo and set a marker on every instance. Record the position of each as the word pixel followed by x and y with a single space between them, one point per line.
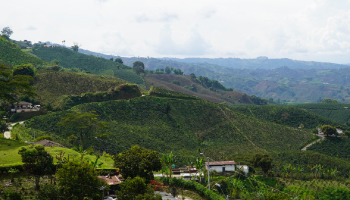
pixel 208 13
pixel 195 45
pixel 164 17
pixel 31 28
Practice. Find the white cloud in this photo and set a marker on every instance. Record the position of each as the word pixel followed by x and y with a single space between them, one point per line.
pixel 297 29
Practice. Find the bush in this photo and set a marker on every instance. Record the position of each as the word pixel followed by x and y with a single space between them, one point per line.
pixel 24 69
pixel 190 185
pixel 49 192
pixel 45 137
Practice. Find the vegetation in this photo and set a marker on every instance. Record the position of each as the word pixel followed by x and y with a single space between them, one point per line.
pixel 24 69
pixel 79 180
pixel 138 162
pixel 11 53
pixel 36 161
pixel 136 188
pixel 181 126
pixel 335 147
pixel 88 63
pixel 286 115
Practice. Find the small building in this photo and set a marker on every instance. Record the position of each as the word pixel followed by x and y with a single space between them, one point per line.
pixel 113 180
pixel 221 166
pixel 23 106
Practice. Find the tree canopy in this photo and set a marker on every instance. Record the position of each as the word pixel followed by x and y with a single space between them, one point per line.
pixel 263 161
pixel 329 130
pixel 24 69
pixel 13 85
pixel 119 60
pixel 138 67
pixel 86 125
pixel 37 161
pixel 136 188
pixel 79 180
pixel 138 161
pixel 7 32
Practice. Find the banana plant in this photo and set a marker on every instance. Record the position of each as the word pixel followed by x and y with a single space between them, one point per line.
pixel 83 152
pixel 169 160
pixel 190 162
pixel 199 164
pixel 94 164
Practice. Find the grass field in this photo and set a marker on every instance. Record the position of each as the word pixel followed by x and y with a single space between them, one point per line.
pixel 9 154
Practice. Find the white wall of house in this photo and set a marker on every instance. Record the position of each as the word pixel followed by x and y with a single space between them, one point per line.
pixel 227 168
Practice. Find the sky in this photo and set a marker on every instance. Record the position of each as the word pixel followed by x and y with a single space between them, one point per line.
pixel 311 30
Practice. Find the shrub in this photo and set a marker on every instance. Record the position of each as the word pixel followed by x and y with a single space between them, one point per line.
pixel 45 137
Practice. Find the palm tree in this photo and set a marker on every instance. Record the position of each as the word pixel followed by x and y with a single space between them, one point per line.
pixel 199 163
pixel 190 162
pixel 169 160
pixel 82 152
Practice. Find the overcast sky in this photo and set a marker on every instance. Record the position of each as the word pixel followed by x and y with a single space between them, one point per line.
pixel 317 30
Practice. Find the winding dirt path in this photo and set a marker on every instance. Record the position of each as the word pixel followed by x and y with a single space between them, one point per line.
pixel 7 134
pixel 321 137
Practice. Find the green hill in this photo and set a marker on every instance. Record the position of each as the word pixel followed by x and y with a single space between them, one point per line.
pixel 10 53
pixel 62 89
pixel 89 63
pixel 286 115
pixel 178 125
pixel 186 85
pixel 334 111
pixel 9 154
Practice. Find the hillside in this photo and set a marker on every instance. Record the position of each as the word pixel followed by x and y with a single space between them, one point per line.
pixel 186 85
pixel 12 54
pixel 178 125
pixel 334 111
pixel 52 86
pixel 286 115
pixel 336 147
pixel 89 63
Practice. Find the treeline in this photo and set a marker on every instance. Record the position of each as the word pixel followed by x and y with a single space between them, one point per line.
pixel 71 59
pixel 166 70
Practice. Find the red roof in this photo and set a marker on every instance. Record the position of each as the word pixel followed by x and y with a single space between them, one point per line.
pixel 221 163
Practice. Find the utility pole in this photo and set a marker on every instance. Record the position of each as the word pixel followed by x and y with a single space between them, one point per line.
pixel 208 174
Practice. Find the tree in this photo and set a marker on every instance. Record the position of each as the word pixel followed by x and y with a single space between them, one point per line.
pixel 263 161
pixel 138 161
pixel 6 32
pixel 79 180
pixel 37 161
pixel 329 130
pixel 82 152
pixel 24 69
pixel 111 59
pixel 119 60
pixel 137 189
pixel 169 160
pixel 328 100
pixel 86 125
pixel 138 67
pixel 192 75
pixel 190 162
pixel 347 133
pixel 168 69
pixel 11 85
pixel 3 123
pixel 75 47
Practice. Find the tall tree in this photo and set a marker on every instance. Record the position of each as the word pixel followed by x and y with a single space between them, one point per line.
pixel 138 161
pixel 136 188
pixel 138 67
pixel 119 60
pixel 37 161
pixel 75 47
pixel 79 180
pixel 12 86
pixel 6 32
pixel 86 125
pixel 168 69
pixel 329 130
pixel 263 161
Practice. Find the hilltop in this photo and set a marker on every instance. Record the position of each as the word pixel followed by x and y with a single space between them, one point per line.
pixel 11 53
pixel 178 125
pixel 97 65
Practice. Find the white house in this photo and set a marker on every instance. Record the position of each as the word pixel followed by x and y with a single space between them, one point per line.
pixel 221 166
